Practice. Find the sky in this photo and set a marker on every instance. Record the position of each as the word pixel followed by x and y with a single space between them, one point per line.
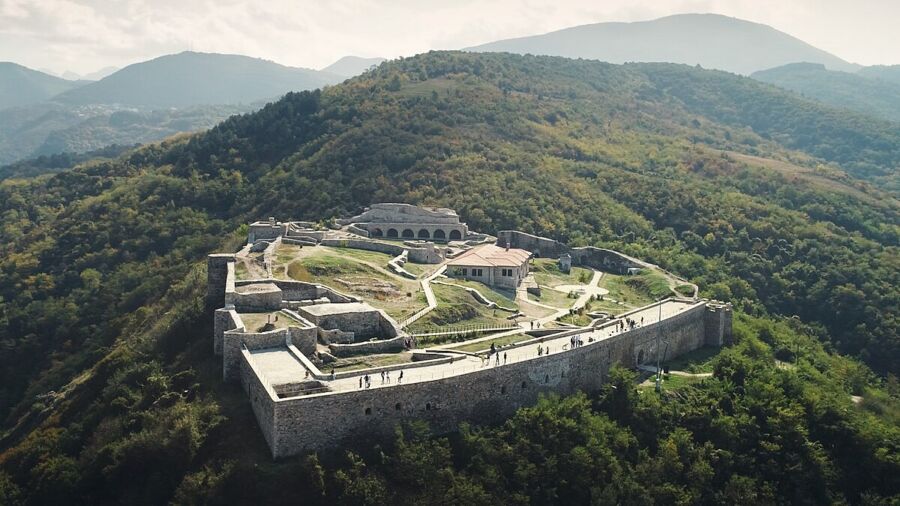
pixel 83 36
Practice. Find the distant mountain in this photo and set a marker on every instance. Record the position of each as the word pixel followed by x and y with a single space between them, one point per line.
pixel 99 74
pixel 50 128
pixel 710 40
pixel 23 86
pixel 350 66
pixel 190 79
pixel 876 97
pixel 883 72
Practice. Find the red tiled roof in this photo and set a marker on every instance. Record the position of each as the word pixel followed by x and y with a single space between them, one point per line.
pixel 491 255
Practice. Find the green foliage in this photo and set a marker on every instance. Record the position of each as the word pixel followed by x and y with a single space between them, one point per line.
pixel 109 392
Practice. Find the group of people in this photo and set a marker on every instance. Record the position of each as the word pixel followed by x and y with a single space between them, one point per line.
pixel 494 352
pixel 628 323
pixel 576 341
pixel 385 378
pixel 410 342
pixel 543 351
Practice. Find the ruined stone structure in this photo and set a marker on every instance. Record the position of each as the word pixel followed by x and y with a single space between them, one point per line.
pixel 301 408
pixel 405 221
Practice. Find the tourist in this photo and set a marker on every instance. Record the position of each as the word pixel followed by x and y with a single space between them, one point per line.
pixel 572 342
pixel 368 380
pixel 504 358
pixel 540 350
pixel 360 382
pixel 642 321
pixel 493 348
pixel 388 375
pixel 400 379
pixel 382 377
pixel 332 373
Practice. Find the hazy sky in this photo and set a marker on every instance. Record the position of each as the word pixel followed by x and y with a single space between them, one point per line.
pixel 86 35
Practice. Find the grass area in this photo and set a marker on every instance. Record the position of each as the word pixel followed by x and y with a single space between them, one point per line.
pixel 546 273
pixel 254 321
pixel 534 311
pixel 697 361
pixel 419 270
pixel 582 320
pixel 685 290
pixel 345 270
pixel 506 298
pixel 485 345
pixel 457 307
pixel 369 361
pixel 240 271
pixel 636 290
pixel 553 298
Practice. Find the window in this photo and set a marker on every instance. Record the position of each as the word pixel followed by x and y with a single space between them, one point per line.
pixel 397 406
pixel 507 272
pixel 427 406
pixel 368 411
pixel 477 273
pixel 503 389
pixel 464 271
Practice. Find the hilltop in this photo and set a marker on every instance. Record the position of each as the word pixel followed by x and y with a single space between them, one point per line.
pixel 190 79
pixel 349 66
pixel 785 207
pixel 710 40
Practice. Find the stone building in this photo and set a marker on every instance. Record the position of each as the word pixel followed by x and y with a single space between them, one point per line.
pixel 405 221
pixel 491 265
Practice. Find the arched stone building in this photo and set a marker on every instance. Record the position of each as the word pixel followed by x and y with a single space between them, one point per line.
pixel 405 221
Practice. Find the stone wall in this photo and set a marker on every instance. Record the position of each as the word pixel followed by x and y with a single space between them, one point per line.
pixel 224 320
pixel 262 400
pixel 216 278
pixel 541 247
pixel 424 254
pixel 235 340
pixel 606 259
pixel 367 347
pixel 256 297
pixel 483 396
pixel 265 230
pixel 299 290
pixel 363 324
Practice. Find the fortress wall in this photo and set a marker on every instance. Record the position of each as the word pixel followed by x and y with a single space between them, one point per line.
pixel 304 338
pixel 421 255
pixel 224 320
pixel 217 269
pixel 483 396
pixel 265 230
pixel 231 347
pixel 261 399
pixel 605 259
pixel 367 347
pixel 540 246
pixel 363 324
pixel 257 301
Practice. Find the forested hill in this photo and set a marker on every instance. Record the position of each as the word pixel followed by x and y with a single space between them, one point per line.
pixel 109 392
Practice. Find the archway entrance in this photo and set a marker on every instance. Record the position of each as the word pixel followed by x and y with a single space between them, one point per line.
pixel 377 233
pixel 455 235
pixel 439 235
pixel 407 233
pixel 392 232
pixel 423 234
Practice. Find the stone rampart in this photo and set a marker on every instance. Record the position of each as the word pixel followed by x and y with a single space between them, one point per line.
pixel 541 247
pixel 217 268
pixel 424 254
pixel 367 347
pixel 224 320
pixel 262 398
pixel 606 259
pixel 483 396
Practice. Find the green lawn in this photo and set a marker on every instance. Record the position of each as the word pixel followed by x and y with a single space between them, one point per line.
pixel 505 298
pixel 553 298
pixel 546 273
pixel 457 308
pixel 636 290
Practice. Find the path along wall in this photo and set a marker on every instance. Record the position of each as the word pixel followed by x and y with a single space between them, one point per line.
pixel 486 395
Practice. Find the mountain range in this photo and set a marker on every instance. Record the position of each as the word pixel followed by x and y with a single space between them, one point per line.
pixel 21 86
pixel 709 40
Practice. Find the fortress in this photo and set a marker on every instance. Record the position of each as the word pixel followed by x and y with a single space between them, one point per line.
pixel 323 364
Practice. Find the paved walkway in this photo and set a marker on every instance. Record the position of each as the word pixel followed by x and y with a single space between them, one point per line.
pixel 429 296
pixel 469 363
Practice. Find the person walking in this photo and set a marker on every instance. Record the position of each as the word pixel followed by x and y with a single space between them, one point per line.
pixel 388 375
pixel 504 358
pixel 332 373
pixel 400 379
pixel 497 359
pixel 360 382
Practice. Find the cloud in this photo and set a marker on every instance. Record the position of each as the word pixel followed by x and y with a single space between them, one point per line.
pixel 84 35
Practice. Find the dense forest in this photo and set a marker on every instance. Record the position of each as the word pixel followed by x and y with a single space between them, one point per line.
pixel 788 209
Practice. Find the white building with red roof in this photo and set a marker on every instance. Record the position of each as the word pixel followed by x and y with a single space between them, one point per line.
pixel 491 265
